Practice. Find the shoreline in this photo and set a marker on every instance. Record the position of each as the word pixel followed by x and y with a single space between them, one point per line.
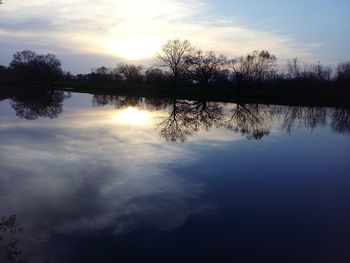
pixel 291 96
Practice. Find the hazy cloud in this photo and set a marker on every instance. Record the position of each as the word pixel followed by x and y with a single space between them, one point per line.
pixel 128 29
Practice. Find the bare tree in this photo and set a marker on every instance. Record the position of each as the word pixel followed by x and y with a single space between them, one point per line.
pixel 254 66
pixel 173 55
pixel 294 68
pixel 130 73
pixel 308 71
pixel 343 71
pixel 320 72
pixel 203 67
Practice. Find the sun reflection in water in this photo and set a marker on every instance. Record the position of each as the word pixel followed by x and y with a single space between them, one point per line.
pixel 132 116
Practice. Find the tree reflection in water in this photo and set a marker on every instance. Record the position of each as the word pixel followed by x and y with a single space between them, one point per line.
pixel 188 117
pixel 38 102
pixel 117 101
pixel 253 121
pixel 9 230
pixel 250 120
pixel 182 120
pixel 185 118
pixel 308 117
pixel 341 120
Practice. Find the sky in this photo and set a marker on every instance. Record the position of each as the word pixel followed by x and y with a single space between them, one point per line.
pixel 88 34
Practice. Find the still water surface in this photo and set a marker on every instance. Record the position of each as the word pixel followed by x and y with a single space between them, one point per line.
pixel 115 179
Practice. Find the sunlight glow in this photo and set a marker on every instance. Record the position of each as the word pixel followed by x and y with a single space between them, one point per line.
pixel 134 48
pixel 134 29
pixel 132 116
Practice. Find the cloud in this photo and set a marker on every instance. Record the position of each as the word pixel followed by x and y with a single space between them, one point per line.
pixel 132 29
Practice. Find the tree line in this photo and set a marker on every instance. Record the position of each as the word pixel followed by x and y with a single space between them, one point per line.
pixel 179 63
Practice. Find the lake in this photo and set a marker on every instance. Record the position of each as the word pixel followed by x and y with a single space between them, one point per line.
pixel 99 178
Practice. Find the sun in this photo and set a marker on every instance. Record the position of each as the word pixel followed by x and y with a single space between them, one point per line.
pixel 132 116
pixel 134 47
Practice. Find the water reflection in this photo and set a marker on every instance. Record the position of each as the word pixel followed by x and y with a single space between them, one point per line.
pixel 85 174
pixel 9 231
pixel 38 102
pixel 133 116
pixel 183 118
pixel 94 178
pixel 254 121
pixel 341 120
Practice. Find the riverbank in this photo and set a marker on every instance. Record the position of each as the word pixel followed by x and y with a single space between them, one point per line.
pixel 301 95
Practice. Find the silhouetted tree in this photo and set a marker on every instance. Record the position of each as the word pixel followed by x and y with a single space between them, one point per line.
pixel 316 72
pixel 83 77
pixel 68 76
pixel 27 65
pixel 130 73
pixel 293 69
pixel 156 76
pixel 47 67
pixel 5 75
pixel 343 71
pixel 104 74
pixel 173 55
pixel 22 63
pixel 253 67
pixel 204 67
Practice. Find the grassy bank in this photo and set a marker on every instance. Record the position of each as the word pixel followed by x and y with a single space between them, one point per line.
pixel 330 95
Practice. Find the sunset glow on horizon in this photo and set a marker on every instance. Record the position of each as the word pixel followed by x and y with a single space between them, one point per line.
pixel 134 48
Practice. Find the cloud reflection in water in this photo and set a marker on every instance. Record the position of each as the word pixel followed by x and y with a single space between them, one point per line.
pixel 87 172
pixel 84 173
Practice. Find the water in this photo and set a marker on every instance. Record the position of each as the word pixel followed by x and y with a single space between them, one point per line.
pixel 115 179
